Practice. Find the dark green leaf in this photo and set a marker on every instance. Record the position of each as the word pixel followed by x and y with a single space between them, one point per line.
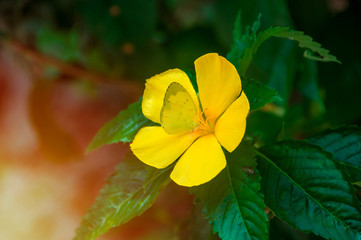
pixel 129 191
pixel 232 201
pixel 304 41
pixel 259 94
pixel 245 44
pixel 345 145
pixel 242 41
pixel 304 186
pixel 122 128
pixel 264 127
pixel 280 230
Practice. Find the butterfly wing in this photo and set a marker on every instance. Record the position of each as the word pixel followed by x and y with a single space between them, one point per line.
pixel 179 113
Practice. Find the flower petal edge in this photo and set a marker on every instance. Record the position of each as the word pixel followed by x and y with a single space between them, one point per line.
pixel 156 148
pixel 202 161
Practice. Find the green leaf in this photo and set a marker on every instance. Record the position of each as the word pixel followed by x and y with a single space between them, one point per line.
pixel 264 127
pixel 304 41
pixel 242 40
pixel 304 186
pixel 232 201
pixel 245 44
pixel 122 128
pixel 129 191
pixel 259 94
pixel 345 145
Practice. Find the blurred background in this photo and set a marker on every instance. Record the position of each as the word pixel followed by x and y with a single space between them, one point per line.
pixel 68 66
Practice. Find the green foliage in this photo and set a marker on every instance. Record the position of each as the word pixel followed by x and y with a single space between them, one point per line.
pixel 306 183
pixel 242 40
pixel 307 188
pixel 345 145
pixel 232 201
pixel 122 128
pixel 304 41
pixel 303 184
pixel 129 191
pixel 264 127
pixel 259 94
pixel 245 44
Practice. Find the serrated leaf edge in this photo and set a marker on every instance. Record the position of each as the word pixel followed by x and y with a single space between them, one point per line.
pixel 299 186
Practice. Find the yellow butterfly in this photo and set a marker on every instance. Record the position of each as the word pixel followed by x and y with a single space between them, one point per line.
pixel 179 113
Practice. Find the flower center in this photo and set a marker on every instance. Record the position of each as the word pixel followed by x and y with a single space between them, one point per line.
pixel 204 125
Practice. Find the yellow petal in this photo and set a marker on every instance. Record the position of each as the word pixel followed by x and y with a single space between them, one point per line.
pixel 231 126
pixel 156 87
pixel 203 160
pixel 218 82
pixel 155 147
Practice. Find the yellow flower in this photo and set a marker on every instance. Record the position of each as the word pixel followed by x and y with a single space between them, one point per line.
pixel 193 129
